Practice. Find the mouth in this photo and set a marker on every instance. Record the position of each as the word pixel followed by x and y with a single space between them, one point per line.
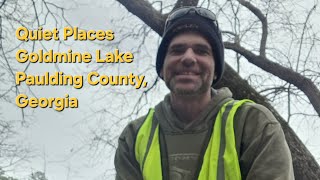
pixel 187 73
pixel 186 76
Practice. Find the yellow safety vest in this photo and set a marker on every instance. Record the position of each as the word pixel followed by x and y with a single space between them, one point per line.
pixel 220 160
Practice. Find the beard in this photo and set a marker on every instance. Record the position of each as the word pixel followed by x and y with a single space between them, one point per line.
pixel 201 87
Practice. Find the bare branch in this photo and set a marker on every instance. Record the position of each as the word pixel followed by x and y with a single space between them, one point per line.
pixel 264 23
pixel 292 77
pixel 35 12
pixel 302 35
pixel 4 1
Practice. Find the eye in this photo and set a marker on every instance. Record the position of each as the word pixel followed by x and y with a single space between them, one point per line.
pixel 201 51
pixel 176 50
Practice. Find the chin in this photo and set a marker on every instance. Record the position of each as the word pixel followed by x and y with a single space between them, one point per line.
pixel 188 91
pixel 191 89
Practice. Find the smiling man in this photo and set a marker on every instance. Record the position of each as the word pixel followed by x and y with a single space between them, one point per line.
pixel 198 132
pixel 188 68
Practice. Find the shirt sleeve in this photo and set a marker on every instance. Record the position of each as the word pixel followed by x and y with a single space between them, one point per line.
pixel 264 151
pixel 127 168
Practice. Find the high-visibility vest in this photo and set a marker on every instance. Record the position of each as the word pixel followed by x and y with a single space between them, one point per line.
pixel 220 161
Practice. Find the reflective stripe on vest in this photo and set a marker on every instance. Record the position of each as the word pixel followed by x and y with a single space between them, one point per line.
pixel 220 160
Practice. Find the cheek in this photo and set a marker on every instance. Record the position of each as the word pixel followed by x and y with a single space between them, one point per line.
pixel 208 68
pixel 168 66
pixel 166 72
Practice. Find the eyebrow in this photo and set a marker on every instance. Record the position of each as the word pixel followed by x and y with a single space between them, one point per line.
pixel 183 45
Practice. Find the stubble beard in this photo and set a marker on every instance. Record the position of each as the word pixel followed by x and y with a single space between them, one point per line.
pixel 201 89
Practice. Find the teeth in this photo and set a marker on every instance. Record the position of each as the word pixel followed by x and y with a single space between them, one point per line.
pixel 187 73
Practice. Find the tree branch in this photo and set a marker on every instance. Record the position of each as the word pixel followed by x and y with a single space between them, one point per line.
pixel 292 77
pixel 181 3
pixel 144 10
pixel 2 3
pixel 264 23
pixel 302 35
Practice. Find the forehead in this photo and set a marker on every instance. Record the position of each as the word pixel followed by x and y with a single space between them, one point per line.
pixel 189 38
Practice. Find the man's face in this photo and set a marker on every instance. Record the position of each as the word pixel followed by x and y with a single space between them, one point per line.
pixel 188 67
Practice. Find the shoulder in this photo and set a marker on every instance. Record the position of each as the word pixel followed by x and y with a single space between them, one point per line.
pixel 260 137
pixel 256 113
pixel 256 118
pixel 253 120
pixel 131 129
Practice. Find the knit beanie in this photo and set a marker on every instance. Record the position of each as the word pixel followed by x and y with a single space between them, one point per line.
pixel 193 22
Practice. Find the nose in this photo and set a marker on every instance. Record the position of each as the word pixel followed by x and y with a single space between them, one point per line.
pixel 189 58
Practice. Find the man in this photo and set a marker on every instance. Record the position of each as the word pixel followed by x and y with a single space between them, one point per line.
pixel 198 132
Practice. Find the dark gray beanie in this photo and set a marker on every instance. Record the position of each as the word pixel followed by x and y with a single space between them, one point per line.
pixel 194 23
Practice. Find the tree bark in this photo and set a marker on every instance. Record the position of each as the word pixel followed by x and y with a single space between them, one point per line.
pixel 305 165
